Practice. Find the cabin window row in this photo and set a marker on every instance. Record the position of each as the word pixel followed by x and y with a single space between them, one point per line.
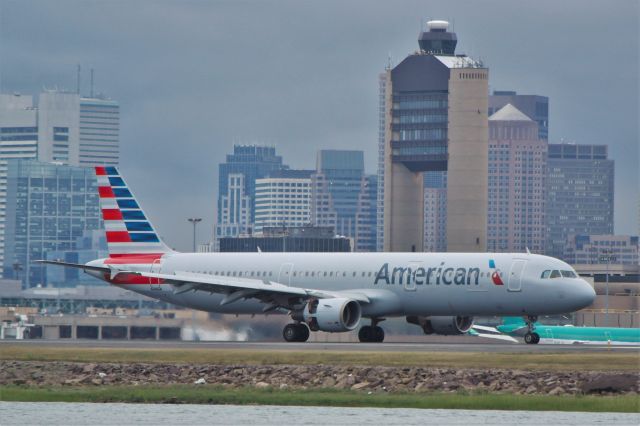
pixel 322 274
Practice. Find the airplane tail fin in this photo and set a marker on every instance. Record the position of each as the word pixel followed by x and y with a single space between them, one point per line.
pixel 128 231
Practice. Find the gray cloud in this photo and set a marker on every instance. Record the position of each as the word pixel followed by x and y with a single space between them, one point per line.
pixel 194 77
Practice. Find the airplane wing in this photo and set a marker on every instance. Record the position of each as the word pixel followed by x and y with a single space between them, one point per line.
pixel 274 294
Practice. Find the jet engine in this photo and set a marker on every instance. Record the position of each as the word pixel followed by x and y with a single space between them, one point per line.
pixel 333 315
pixel 447 326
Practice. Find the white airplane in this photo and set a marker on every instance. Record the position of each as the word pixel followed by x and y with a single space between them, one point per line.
pixel 334 292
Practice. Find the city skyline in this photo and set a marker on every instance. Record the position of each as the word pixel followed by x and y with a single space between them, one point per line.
pixel 195 89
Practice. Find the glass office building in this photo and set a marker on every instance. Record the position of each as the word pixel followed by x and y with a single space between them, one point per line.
pixel 49 206
pixel 237 186
pixel 335 190
pixel 579 193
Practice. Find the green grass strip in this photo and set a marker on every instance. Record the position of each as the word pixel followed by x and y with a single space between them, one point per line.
pixel 210 394
pixel 599 361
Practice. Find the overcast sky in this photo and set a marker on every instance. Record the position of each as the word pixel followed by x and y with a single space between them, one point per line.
pixel 193 77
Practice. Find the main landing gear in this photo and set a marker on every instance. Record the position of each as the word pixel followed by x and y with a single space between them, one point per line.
pixel 531 337
pixel 371 333
pixel 296 332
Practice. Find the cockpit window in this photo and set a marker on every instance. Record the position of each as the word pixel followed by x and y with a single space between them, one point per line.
pixel 555 274
pixel 545 274
pixel 569 274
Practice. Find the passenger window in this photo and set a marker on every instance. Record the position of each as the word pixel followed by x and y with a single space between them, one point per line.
pixel 306 274
pixel 313 274
pixel 568 274
pixel 545 274
pixel 325 273
pixel 555 274
pixel 354 274
pixel 330 273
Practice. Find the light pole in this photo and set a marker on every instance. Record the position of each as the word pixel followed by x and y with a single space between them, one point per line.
pixel 606 258
pixel 194 221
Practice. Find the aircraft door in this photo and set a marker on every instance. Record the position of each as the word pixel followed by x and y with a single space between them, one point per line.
pixel 409 279
pixel 156 267
pixel 284 277
pixel 515 275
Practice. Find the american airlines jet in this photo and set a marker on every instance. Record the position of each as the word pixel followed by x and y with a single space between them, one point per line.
pixel 334 292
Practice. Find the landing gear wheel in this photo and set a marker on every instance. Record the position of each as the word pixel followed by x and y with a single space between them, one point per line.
pixel 365 333
pixel 536 338
pixel 378 334
pixel 295 333
pixel 532 338
pixel 371 334
pixel 304 333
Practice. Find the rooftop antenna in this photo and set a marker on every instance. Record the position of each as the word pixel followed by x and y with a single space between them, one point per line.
pixel 78 79
pixel 91 92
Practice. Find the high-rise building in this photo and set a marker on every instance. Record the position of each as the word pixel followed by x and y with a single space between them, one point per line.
pixel 366 216
pixel 49 206
pixel 234 211
pixel 434 119
pixel 283 199
pixel 435 211
pixel 99 138
pixel 59 127
pixel 237 187
pixel 65 128
pixel 340 196
pixel 535 107
pixel 597 249
pixel 18 139
pixel 288 239
pixel 579 193
pixel 517 178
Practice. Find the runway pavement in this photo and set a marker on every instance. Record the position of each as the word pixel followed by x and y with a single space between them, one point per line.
pixel 338 347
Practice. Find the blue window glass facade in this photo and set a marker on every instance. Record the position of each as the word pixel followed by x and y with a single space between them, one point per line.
pixel 49 207
pixel 252 161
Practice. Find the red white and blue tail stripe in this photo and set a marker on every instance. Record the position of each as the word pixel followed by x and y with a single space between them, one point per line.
pixel 128 230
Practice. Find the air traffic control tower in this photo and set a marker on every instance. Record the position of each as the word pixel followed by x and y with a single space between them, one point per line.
pixel 433 118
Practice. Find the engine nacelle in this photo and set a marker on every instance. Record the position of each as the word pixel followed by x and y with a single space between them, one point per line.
pixel 333 315
pixel 447 326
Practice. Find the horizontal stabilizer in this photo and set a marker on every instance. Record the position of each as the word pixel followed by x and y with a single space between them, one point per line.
pixel 76 265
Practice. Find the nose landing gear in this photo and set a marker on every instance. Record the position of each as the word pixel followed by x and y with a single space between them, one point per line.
pixel 531 337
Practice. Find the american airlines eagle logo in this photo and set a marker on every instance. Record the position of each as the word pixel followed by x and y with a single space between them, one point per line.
pixel 495 276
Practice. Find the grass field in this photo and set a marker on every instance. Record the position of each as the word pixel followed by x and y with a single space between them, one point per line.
pixel 539 361
pixel 206 394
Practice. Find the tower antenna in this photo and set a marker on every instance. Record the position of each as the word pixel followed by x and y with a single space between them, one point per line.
pixel 78 79
pixel 91 92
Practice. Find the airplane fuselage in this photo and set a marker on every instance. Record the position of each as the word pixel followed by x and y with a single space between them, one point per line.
pixel 397 284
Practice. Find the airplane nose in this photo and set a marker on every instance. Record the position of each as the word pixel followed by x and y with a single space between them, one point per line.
pixel 585 294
